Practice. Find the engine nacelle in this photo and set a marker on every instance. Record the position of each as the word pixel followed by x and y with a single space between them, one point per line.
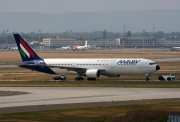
pixel 93 73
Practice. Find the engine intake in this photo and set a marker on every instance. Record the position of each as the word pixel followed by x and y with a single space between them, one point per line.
pixel 93 73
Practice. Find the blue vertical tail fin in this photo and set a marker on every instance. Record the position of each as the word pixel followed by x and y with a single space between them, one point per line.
pixel 25 50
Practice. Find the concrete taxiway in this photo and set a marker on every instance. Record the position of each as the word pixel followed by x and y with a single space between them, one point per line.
pixel 67 97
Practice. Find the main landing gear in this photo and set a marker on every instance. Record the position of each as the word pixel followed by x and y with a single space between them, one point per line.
pixel 79 78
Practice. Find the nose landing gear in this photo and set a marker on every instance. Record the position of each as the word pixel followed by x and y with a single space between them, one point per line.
pixel 147 77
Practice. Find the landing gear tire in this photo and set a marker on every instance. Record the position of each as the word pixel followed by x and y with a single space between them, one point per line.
pixel 147 79
pixel 91 79
pixel 147 76
pixel 168 79
pixel 79 78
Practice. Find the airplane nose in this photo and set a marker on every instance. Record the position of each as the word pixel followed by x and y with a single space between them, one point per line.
pixel 157 67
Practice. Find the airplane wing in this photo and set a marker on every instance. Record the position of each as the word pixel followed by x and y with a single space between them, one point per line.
pixel 76 69
pixel 69 68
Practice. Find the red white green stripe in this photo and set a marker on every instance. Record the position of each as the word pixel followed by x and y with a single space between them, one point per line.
pixel 25 50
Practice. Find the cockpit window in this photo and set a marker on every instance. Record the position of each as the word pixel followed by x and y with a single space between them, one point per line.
pixel 152 63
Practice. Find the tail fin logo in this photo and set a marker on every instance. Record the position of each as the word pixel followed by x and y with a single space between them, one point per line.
pixel 25 50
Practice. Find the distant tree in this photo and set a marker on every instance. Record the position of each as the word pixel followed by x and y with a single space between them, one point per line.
pixel 116 35
pixel 160 34
pixel 104 34
pixel 129 34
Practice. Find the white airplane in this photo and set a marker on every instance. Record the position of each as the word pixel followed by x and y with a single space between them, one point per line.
pixel 14 48
pixel 91 68
pixel 81 47
pixel 65 48
pixel 175 48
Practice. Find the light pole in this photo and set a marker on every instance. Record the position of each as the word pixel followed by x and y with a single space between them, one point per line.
pixel 39 34
pixel 7 39
pixel 70 37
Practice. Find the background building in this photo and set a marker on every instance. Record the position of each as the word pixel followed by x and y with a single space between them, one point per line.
pixel 105 43
pixel 168 43
pixel 138 42
pixel 59 42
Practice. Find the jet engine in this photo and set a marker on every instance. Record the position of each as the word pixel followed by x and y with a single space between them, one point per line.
pixel 93 73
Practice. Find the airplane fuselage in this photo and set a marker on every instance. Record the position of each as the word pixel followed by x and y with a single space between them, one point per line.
pixel 113 67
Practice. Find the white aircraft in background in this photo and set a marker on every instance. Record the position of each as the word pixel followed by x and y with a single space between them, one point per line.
pixel 175 48
pixel 81 47
pixel 65 48
pixel 14 48
pixel 91 68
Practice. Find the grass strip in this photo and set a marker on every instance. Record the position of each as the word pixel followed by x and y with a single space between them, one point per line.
pixel 98 83
pixel 146 112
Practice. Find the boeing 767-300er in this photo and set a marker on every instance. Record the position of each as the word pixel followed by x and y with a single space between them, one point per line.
pixel 91 68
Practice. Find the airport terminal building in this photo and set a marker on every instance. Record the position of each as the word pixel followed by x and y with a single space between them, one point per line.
pixel 59 42
pixel 105 43
pixel 130 42
pixel 138 42
pixel 168 42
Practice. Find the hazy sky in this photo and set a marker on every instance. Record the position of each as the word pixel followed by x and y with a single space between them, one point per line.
pixel 80 22
pixel 63 6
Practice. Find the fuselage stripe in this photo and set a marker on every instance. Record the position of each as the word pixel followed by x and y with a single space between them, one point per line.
pixel 27 48
pixel 22 53
pixel 25 51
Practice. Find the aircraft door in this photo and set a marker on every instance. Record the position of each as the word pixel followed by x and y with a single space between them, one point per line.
pixel 74 64
pixel 113 64
pixel 141 64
